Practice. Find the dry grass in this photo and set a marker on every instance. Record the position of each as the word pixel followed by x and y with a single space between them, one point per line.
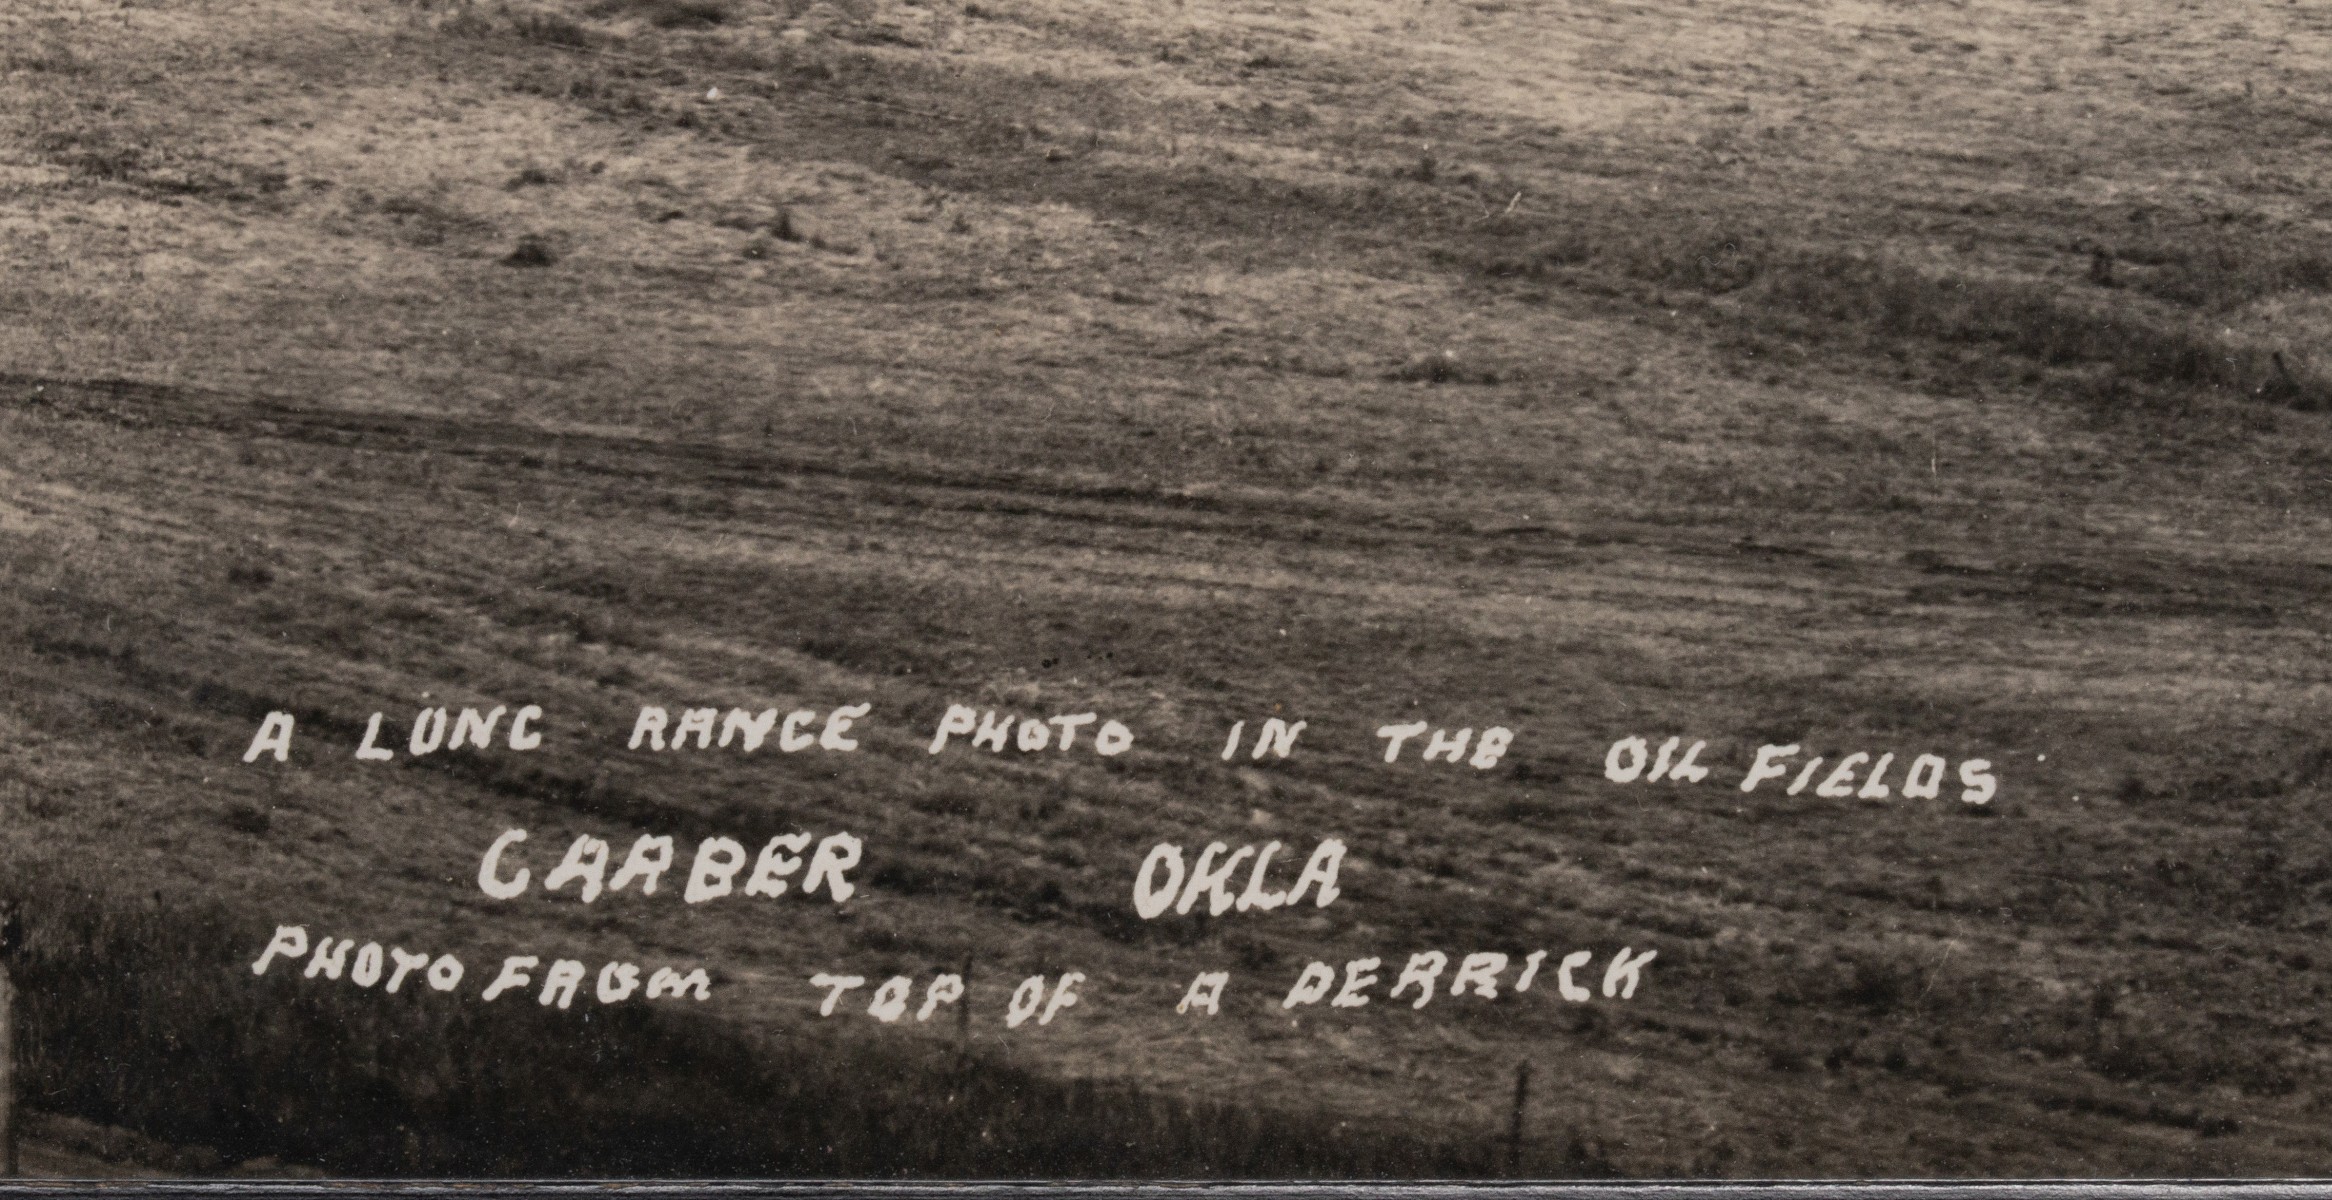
pixel 1039 356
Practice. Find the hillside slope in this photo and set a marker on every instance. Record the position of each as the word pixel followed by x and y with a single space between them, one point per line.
pixel 1867 376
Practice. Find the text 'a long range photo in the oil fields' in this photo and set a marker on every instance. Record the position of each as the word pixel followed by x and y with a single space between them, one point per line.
pixel 1206 590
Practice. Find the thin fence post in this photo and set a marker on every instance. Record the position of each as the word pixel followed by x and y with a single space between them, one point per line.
pixel 1514 1125
pixel 963 1016
pixel 11 936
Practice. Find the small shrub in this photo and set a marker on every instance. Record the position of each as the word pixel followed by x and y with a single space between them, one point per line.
pixel 671 14
pixel 1440 368
pixel 51 60
pixel 549 29
pixel 689 14
pixel 428 220
pixel 532 251
pixel 468 23
pixel 248 818
pixel 1877 986
pixel 1786 1060
pixel 94 152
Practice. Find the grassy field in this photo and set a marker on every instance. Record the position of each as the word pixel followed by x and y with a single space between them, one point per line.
pixel 1865 375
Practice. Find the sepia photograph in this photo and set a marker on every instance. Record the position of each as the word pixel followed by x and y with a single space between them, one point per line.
pixel 1036 590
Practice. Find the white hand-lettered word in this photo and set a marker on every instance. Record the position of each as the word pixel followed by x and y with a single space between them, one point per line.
pixel 1632 758
pixel 617 982
pixel 291 941
pixel 890 1000
pixel 1211 878
pixel 745 729
pixel 433 730
pixel 1031 734
pixel 1477 973
pixel 719 860
pixel 1924 780
pixel 1277 738
pixel 891 996
pixel 1627 758
pixel 1449 747
pixel 1205 993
